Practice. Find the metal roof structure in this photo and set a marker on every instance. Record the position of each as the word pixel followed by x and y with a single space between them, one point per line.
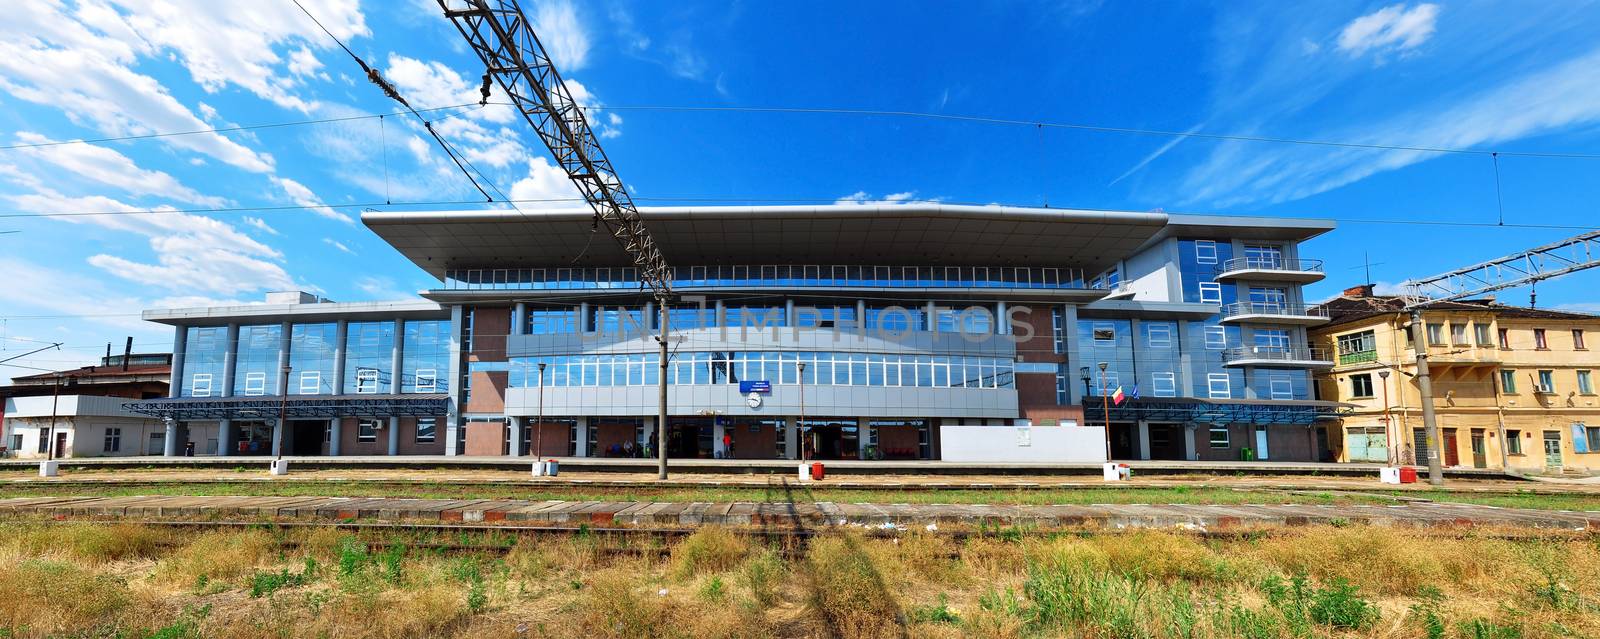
pixel 1200 411
pixel 267 407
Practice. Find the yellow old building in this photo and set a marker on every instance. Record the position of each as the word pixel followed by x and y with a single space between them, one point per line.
pixel 1514 387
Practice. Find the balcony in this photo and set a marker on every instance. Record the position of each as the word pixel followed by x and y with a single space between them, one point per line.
pixel 1359 357
pixel 1274 313
pixel 1271 269
pixel 1277 356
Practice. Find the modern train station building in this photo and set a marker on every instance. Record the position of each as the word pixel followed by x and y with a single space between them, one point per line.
pixel 916 331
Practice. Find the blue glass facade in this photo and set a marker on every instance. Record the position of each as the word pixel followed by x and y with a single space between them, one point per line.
pixel 425 357
pixel 204 361
pixel 1199 262
pixel 1152 356
pixel 774 276
pixel 369 358
pixel 255 372
pixel 778 367
pixel 313 349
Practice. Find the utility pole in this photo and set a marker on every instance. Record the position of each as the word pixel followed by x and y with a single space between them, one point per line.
pixel 1430 426
pixel 661 388
pixel 1388 424
pixel 50 436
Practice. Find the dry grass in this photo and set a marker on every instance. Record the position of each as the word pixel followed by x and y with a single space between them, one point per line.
pixel 87 581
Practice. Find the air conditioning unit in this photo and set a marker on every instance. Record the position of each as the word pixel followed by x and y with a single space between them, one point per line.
pixel 1544 390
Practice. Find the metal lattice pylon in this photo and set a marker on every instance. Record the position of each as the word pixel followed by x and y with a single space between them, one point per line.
pixel 503 38
pixel 1519 269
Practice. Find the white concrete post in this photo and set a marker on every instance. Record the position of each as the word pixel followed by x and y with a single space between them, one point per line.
pixel 718 451
pixel 169 446
pixel 514 447
pixel 1189 433
pixel 791 437
pixel 457 385
pixel 394 436
pixel 582 447
pixel 863 436
pixel 225 444
pixel 1144 439
pixel 335 428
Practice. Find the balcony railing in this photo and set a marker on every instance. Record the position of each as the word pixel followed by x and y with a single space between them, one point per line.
pixel 1281 309
pixel 1278 354
pixel 1359 357
pixel 1272 264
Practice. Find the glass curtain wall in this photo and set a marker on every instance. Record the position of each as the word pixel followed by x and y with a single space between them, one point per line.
pixel 256 363
pixel 369 358
pixel 312 348
pixel 204 355
pixel 426 357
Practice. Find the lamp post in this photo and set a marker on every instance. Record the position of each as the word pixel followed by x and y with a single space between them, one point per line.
pixel 802 425
pixel 538 426
pixel 1105 402
pixel 283 411
pixel 1388 428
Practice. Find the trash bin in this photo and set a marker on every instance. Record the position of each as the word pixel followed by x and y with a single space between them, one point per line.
pixel 1408 475
pixel 816 471
pixel 1247 454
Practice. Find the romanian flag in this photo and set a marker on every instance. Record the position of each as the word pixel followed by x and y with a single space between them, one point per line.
pixel 1117 397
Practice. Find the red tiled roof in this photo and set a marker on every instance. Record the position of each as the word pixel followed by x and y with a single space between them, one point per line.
pixel 1348 308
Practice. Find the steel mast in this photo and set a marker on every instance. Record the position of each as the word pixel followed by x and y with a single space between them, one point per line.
pixel 504 40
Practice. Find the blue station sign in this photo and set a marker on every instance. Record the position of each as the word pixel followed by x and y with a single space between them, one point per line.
pixel 758 386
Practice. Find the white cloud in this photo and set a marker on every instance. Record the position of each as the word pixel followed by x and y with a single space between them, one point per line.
pixel 545 181
pixel 865 198
pixel 259 224
pixel 1160 151
pixel 1542 102
pixel 302 196
pixel 338 245
pixel 107 166
pixel 381 288
pixel 564 38
pixel 304 63
pixel 1394 28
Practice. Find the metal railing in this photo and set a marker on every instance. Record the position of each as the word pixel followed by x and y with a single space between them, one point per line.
pixel 1358 357
pixel 1273 308
pixel 1276 354
pixel 1272 264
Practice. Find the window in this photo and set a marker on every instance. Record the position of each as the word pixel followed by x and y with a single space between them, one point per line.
pixel 1361 385
pixel 1591 436
pixel 1586 386
pixel 1269 296
pixel 1435 334
pixel 1263 256
pixel 1357 348
pixel 1205 252
pixel 1514 442
pixel 366 381
pixel 1056 330
pixel 1109 382
pixel 427 380
pixel 1505 339
pixel 1281 387
pixel 1458 333
pixel 1482 331
pixel 1508 382
pixel 255 384
pixel 1219 386
pixel 367 430
pixel 1272 340
pixel 1158 335
pixel 1105 334
pixel 1164 384
pixel 426 427
pixel 1547 382
pixel 1219 437
pixel 1210 293
pixel 1577 339
pixel 1538 339
pixel 1216 338
pixel 310 382
pixel 200 385
pixel 113 440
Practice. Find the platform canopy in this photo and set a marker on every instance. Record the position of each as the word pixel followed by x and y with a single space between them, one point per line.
pixel 1214 411
pixel 915 234
pixel 268 407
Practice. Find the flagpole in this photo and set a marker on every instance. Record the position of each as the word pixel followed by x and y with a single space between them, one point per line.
pixel 1105 401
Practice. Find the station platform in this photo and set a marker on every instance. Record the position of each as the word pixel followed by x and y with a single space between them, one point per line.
pixel 751 466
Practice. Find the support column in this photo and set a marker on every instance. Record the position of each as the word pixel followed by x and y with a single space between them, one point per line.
pixel 1144 439
pixel 718 451
pixel 519 318
pixel 277 437
pixel 863 436
pixel 932 311
pixel 230 360
pixel 1001 326
pixel 791 438
pixel 340 334
pixel 583 318
pixel 1189 431
pixel 396 355
pixel 788 313
pixel 514 445
pixel 180 347
pixel 452 415
pixel 394 436
pixel 169 445
pixel 581 445
pixel 225 443
pixel 1185 370
pixel 285 331
pixel 335 435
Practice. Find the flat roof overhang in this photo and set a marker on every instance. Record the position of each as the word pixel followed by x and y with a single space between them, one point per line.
pixel 906 234
pixel 267 407
pixel 318 312
pixel 916 295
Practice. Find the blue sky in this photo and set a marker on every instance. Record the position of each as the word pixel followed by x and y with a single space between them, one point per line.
pixel 1513 77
